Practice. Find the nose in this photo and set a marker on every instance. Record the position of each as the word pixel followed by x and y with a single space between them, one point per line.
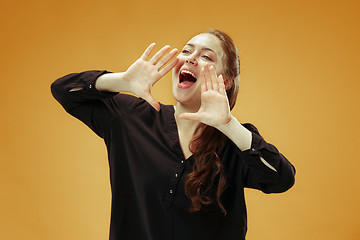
pixel 191 61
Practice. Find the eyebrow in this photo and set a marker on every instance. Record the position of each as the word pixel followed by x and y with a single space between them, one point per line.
pixel 205 48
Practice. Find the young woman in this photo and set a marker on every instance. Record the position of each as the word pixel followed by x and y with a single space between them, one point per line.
pixel 177 172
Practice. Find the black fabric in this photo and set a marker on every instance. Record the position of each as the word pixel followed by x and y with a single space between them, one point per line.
pixel 148 168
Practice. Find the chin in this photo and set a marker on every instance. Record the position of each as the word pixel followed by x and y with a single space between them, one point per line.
pixel 189 101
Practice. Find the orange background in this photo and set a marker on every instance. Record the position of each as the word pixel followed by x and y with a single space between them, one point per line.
pixel 299 86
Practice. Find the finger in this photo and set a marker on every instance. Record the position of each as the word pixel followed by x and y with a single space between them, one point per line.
pixel 208 78
pixel 190 116
pixel 147 52
pixel 168 67
pixel 166 58
pixel 159 54
pixel 214 81
pixel 221 85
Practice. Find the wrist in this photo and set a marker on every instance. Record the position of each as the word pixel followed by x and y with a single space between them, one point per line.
pixel 227 124
pixel 235 131
pixel 111 82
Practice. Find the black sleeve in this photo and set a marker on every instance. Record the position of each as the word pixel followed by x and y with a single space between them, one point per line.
pixel 94 108
pixel 259 176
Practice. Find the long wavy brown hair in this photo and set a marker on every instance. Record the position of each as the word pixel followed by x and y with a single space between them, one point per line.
pixel 209 177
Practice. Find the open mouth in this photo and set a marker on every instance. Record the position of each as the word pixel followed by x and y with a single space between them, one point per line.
pixel 186 79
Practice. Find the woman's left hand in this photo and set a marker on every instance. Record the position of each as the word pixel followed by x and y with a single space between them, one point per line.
pixel 214 110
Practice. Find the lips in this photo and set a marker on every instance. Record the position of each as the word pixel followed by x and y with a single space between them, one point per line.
pixel 186 79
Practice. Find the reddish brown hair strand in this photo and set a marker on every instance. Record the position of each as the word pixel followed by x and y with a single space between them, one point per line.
pixel 208 143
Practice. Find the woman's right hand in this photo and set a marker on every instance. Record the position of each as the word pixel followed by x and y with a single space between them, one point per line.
pixel 143 73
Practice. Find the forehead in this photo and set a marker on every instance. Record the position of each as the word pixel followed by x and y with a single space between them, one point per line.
pixel 207 40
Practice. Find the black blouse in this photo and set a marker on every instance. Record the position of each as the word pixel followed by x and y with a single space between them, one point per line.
pixel 148 168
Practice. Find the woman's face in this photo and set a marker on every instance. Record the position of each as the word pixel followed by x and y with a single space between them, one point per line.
pixel 203 49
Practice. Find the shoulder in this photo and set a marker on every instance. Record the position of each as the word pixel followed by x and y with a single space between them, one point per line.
pixel 125 103
pixel 132 105
pixel 126 99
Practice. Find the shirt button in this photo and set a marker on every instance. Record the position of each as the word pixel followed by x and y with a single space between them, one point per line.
pixel 176 175
pixel 171 191
pixel 90 86
pixel 182 161
pixel 253 149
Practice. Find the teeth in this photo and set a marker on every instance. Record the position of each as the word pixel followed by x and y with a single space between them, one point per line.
pixel 188 72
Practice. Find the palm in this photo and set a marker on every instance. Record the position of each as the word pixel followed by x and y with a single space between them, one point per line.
pixel 214 110
pixel 143 74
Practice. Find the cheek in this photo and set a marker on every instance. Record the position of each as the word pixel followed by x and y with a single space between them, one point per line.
pixel 179 64
pixel 176 70
pixel 216 66
pixel 219 69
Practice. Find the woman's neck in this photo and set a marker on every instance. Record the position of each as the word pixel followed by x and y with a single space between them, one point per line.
pixel 184 124
pixel 186 128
